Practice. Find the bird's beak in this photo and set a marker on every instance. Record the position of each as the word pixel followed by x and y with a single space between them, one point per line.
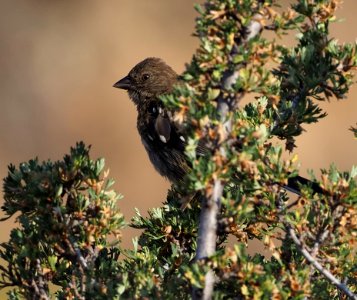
pixel 124 83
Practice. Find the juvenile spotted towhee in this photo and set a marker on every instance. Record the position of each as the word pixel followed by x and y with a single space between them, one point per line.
pixel 164 145
pixel 162 139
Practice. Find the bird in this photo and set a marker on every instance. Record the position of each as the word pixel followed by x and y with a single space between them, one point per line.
pixel 163 140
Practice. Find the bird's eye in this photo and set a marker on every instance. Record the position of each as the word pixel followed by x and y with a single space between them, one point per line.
pixel 146 76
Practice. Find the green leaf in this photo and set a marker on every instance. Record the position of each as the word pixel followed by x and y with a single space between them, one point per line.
pixel 52 260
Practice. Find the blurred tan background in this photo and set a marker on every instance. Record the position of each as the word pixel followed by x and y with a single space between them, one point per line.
pixel 59 60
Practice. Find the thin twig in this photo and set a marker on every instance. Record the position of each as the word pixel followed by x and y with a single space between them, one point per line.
pixel 73 286
pixel 319 240
pixel 73 247
pixel 83 280
pixel 41 283
pixel 341 286
pixel 309 257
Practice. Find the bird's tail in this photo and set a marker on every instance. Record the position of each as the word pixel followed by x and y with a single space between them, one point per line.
pixel 295 183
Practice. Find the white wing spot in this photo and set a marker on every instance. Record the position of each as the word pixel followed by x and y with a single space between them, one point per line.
pixel 182 138
pixel 154 110
pixel 160 110
pixel 162 138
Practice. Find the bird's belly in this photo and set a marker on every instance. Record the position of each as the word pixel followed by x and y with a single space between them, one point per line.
pixel 170 163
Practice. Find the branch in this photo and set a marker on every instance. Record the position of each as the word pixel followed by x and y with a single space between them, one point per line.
pixel 341 286
pixel 319 240
pixel 207 230
pixel 310 257
pixel 74 249
pixel 207 235
pixel 73 286
pixel 39 287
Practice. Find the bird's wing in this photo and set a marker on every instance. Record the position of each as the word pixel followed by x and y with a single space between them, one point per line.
pixel 166 130
pixel 163 128
pixel 169 132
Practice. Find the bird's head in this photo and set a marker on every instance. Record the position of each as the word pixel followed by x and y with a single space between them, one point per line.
pixel 148 79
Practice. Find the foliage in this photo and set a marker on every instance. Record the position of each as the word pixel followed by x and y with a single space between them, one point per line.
pixel 66 210
pixel 66 213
